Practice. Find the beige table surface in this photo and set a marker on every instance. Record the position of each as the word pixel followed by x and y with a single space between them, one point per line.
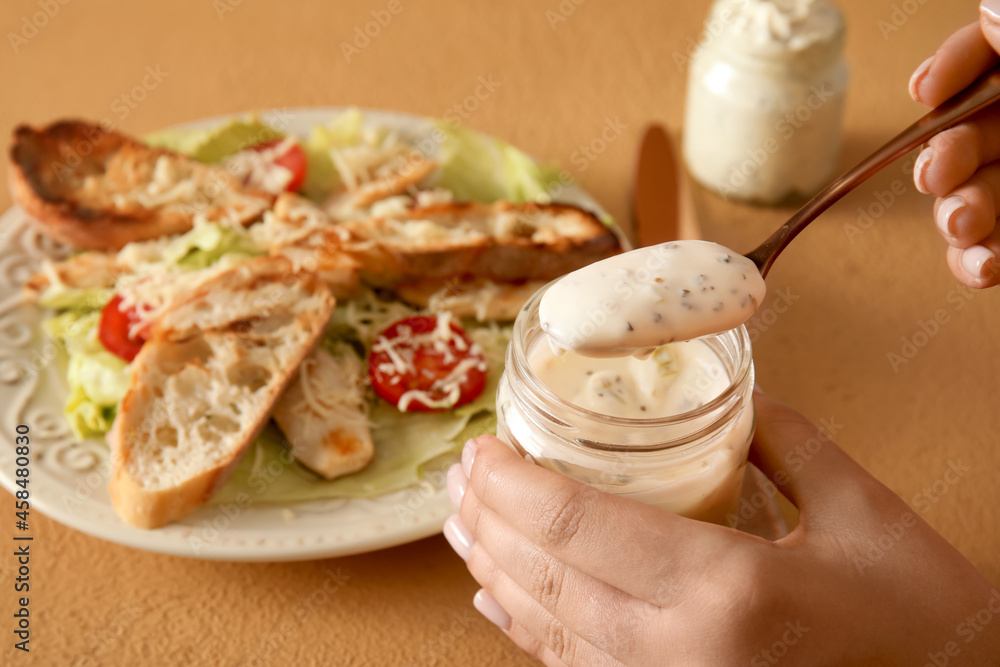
pixel 556 88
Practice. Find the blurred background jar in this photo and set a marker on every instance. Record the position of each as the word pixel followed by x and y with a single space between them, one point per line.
pixel 692 463
pixel 765 99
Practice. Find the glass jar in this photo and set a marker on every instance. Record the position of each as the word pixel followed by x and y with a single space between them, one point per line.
pixel 765 99
pixel 690 464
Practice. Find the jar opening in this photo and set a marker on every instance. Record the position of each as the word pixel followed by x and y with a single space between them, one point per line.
pixel 731 347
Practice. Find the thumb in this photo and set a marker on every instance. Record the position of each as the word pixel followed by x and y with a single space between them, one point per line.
pixel 803 461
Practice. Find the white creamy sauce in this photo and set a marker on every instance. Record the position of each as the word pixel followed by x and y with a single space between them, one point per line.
pixel 676 378
pixel 633 303
pixel 780 24
pixel 704 484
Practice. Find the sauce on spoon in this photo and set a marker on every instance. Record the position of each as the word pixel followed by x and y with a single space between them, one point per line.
pixel 633 303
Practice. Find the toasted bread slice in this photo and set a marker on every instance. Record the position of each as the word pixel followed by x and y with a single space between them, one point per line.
pixel 323 413
pixel 92 188
pixel 479 298
pixel 505 242
pixel 372 174
pixel 205 382
pixel 312 240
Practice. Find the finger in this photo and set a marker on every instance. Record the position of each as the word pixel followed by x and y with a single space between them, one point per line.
pixel 953 157
pixel 989 23
pixel 575 523
pixel 555 589
pixel 533 646
pixel 959 61
pixel 805 464
pixel 968 214
pixel 564 642
pixel 488 606
pixel 977 266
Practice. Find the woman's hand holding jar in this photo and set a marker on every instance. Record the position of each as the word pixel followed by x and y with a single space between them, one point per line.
pixel 579 577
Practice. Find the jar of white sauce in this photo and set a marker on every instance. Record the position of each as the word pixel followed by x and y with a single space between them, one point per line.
pixel 672 430
pixel 765 99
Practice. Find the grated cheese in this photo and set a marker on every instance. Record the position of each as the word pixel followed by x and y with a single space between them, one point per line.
pixel 258 169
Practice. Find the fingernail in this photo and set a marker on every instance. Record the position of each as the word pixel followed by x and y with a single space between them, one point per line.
pixel 946 217
pixel 456 484
pixel 458 536
pixel 918 78
pixel 991 10
pixel 491 609
pixel 978 260
pixel 920 169
pixel 468 456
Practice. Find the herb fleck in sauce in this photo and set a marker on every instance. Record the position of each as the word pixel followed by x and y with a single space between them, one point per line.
pixel 692 289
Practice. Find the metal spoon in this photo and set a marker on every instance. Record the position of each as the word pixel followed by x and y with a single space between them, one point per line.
pixel 980 94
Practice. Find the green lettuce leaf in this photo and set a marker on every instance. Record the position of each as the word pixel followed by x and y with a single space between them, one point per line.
pixel 476 167
pixel 345 129
pixel 97 379
pixel 403 444
pixel 207 244
pixel 212 145
pixel 86 418
pixel 59 297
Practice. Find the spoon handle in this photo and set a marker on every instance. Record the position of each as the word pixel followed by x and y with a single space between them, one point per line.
pixel 980 94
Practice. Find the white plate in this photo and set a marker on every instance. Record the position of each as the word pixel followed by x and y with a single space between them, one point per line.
pixel 68 478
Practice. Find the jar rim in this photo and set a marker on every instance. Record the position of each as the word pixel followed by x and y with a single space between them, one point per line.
pixel 737 380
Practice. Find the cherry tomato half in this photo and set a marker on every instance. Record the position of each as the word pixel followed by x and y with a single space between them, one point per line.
pixel 113 331
pixel 418 365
